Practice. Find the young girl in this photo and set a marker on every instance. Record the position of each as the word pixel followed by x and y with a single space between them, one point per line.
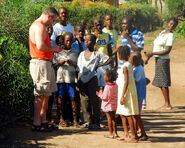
pixel 127 95
pixel 140 79
pixel 109 101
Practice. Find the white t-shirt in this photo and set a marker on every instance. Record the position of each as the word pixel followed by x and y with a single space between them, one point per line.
pixel 161 42
pixel 59 29
pixel 87 67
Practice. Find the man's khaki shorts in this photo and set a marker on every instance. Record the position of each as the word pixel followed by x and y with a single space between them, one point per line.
pixel 43 75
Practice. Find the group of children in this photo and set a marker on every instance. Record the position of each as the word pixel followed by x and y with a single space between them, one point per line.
pixel 88 64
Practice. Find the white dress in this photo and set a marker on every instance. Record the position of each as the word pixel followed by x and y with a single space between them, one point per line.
pixel 131 102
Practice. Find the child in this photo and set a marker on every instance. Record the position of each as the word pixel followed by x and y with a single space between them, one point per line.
pixel 139 76
pixel 50 30
pixel 59 42
pixel 66 62
pixel 114 34
pixel 127 94
pixel 88 62
pixel 103 44
pixel 79 44
pixel 109 101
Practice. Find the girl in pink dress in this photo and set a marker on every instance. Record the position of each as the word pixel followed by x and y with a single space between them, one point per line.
pixel 109 101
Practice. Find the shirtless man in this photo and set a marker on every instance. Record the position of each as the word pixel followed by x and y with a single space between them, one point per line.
pixel 41 68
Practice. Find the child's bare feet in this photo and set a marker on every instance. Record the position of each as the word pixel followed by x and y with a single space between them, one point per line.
pixel 143 138
pixel 167 107
pixel 131 140
pixel 123 138
pixel 116 136
pixel 109 136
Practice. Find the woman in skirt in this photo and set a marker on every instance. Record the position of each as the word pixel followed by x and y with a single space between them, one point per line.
pixel 162 47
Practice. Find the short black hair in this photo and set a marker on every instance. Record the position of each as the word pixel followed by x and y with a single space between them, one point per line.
pixel 111 75
pixel 99 20
pixel 108 14
pixel 79 25
pixel 136 57
pixel 58 38
pixel 93 37
pixel 124 52
pixel 62 8
pixel 174 19
pixel 129 18
pixel 68 33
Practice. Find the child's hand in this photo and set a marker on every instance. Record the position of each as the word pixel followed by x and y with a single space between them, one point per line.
pixel 148 54
pixel 97 93
pixel 125 34
pixel 62 62
pixel 69 61
pixel 122 101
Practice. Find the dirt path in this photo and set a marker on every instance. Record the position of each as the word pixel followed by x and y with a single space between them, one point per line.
pixel 165 128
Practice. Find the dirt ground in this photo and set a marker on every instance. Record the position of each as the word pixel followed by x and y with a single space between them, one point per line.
pixel 165 128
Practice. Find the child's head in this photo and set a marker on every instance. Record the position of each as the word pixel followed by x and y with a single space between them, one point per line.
pixel 59 40
pixel 50 30
pixel 79 31
pixel 135 58
pixel 90 41
pixel 68 40
pixel 108 20
pixel 127 22
pixel 172 24
pixel 110 75
pixel 123 52
pixel 63 15
pixel 98 25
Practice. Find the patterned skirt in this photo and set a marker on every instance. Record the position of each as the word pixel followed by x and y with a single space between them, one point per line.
pixel 162 73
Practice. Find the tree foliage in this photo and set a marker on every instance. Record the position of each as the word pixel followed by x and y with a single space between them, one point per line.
pixel 176 7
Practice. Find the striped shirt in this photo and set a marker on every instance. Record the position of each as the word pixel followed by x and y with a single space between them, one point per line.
pixel 137 38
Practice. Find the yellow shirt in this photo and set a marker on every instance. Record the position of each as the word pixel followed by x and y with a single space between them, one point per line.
pixel 102 41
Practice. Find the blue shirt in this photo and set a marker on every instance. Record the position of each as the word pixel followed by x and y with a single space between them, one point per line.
pixel 137 38
pixel 139 76
pixel 76 46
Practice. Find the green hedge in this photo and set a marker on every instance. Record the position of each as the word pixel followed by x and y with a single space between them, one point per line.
pixel 17 15
pixel 16 89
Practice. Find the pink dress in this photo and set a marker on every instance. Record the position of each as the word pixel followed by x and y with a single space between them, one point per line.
pixel 109 97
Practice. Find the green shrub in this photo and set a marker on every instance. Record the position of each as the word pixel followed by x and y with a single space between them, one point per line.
pixel 180 31
pixel 16 89
pixel 145 16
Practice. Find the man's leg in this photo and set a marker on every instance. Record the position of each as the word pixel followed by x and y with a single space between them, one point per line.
pixel 44 108
pixel 37 109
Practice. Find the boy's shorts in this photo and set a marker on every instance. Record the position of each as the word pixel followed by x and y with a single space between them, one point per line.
pixel 66 89
pixel 43 75
pixel 140 103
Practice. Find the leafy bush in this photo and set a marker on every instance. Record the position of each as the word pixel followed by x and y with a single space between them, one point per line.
pixel 145 16
pixel 16 89
pixel 180 31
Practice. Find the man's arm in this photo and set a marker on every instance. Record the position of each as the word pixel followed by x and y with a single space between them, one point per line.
pixel 40 36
